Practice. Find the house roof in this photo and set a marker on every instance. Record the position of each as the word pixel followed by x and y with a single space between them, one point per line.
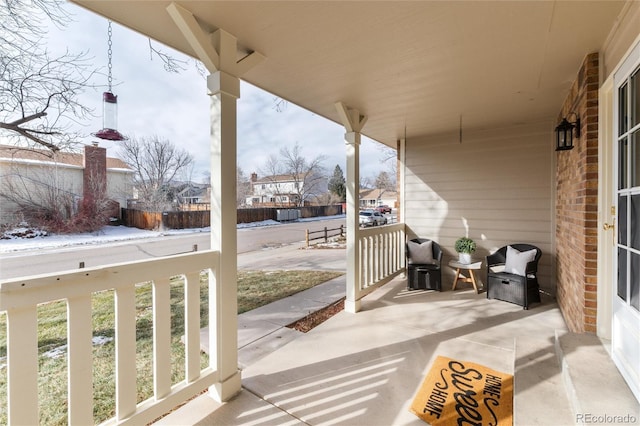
pixel 414 68
pixel 376 194
pixel 191 191
pixel 69 158
pixel 279 179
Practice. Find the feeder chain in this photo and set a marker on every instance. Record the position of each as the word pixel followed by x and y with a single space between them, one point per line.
pixel 109 54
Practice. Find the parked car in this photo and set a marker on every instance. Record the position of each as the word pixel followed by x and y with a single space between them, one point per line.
pixel 372 218
pixel 383 208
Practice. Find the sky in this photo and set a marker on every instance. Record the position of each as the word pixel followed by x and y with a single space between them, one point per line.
pixel 152 101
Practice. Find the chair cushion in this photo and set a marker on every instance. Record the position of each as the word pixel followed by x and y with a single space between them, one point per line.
pixel 421 253
pixel 516 262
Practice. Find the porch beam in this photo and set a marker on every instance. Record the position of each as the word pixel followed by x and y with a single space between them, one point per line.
pixel 353 122
pixel 198 39
pixel 218 50
pixel 351 119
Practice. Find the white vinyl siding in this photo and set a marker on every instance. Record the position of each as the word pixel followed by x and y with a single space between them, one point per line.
pixel 498 183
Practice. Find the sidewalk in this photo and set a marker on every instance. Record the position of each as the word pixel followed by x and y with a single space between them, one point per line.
pixel 264 330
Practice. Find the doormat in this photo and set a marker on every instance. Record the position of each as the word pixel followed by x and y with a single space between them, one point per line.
pixel 460 392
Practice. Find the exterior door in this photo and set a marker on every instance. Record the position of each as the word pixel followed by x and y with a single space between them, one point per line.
pixel 625 340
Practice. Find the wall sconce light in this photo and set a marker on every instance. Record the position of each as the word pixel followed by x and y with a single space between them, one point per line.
pixel 564 133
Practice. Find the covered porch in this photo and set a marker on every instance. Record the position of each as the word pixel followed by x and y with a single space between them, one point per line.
pixel 469 93
pixel 365 369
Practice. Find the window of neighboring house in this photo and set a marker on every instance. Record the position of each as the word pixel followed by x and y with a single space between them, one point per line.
pixel 264 186
pixel 272 200
pixel 297 185
pixel 284 198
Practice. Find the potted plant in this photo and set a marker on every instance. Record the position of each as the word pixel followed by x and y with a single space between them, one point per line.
pixel 464 247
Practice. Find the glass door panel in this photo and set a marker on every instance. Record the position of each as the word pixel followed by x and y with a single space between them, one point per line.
pixel 628 209
pixel 635 281
pixel 634 156
pixel 622 274
pixel 635 99
pixel 623 154
pixel 626 280
pixel 634 222
pixel 622 110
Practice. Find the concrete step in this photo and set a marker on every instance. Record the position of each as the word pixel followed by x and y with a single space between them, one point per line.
pixel 596 390
pixel 539 393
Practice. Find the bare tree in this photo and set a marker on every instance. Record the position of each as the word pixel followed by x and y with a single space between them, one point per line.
pixel 156 162
pixel 306 175
pixel 23 23
pixel 39 93
pixel 365 183
pixel 384 182
pixel 389 158
pixel 243 186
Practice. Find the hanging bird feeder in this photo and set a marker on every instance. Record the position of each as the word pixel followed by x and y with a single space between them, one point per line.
pixel 109 107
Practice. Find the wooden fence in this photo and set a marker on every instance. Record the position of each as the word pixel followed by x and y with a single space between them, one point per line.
pixel 165 220
pixel 201 219
pixel 325 234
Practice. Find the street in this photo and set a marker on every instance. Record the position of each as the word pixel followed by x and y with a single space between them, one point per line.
pixel 55 260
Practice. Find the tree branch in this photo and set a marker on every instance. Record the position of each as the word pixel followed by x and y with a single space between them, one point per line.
pixel 27 119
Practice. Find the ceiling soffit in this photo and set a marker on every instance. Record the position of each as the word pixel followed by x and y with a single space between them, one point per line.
pixel 425 66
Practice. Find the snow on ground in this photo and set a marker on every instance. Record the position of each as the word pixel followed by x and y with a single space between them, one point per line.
pixel 110 234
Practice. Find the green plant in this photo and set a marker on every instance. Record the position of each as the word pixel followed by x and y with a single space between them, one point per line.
pixel 465 245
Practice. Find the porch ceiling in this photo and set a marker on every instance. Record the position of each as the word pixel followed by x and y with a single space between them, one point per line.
pixel 420 64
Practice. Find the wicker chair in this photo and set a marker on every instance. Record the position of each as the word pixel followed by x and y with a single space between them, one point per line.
pixel 422 275
pixel 518 289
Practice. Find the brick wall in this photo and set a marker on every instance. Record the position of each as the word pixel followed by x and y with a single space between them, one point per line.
pixel 94 177
pixel 576 205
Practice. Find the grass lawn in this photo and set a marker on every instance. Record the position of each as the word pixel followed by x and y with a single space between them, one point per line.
pixel 255 289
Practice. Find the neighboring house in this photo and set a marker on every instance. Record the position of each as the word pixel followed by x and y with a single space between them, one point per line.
pixel 191 192
pixel 371 198
pixel 41 174
pixel 285 190
pixel 194 194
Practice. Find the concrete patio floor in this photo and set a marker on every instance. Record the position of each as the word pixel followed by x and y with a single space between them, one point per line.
pixel 365 368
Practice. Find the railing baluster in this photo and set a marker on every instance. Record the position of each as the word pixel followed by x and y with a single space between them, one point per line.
pixel 371 261
pixel 126 388
pixel 20 297
pixel 376 258
pixel 80 360
pixel 381 254
pixel 22 366
pixel 161 338
pixel 192 326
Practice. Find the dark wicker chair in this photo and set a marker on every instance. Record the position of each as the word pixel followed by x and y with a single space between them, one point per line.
pixel 425 276
pixel 521 290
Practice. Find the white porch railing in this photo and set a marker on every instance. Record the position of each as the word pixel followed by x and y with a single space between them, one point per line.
pixel 19 299
pixel 381 250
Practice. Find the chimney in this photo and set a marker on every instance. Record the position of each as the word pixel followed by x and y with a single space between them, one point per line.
pixel 254 177
pixel 94 177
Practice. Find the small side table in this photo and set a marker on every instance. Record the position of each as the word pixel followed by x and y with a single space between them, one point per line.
pixel 469 268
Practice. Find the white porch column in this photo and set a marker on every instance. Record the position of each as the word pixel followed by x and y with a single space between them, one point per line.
pixel 223 320
pixel 354 268
pixel 353 123
pixel 218 51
